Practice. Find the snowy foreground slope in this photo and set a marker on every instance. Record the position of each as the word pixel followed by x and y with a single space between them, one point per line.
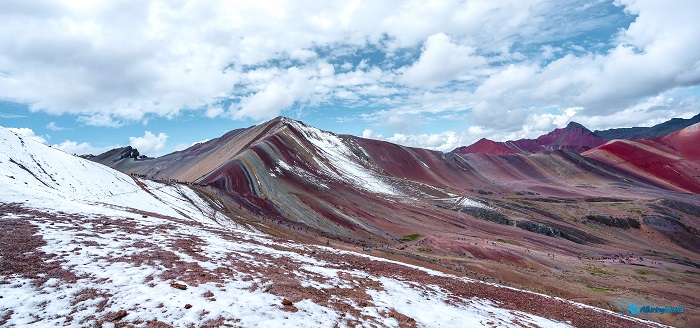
pixel 83 245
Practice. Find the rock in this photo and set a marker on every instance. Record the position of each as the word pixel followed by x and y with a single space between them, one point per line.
pixel 119 315
pixel 188 306
pixel 178 286
pixel 287 302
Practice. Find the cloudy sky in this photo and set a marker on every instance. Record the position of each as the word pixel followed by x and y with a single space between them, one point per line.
pixel 87 76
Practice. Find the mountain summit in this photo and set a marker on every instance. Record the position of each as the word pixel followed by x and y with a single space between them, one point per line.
pixel 486 146
pixel 572 137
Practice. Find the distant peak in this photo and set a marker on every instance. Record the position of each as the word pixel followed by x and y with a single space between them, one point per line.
pixel 284 119
pixel 573 124
pixel 281 121
pixel 486 146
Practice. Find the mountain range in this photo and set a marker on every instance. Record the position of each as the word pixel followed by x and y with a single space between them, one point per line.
pixel 648 132
pixel 575 137
pixel 569 214
pixel 85 245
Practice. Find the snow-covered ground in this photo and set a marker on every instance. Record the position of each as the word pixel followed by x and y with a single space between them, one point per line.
pixel 343 161
pixel 45 178
pixel 78 249
pixel 224 279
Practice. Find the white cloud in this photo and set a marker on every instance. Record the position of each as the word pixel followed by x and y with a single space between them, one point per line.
pixel 652 111
pixel 273 90
pixel 82 148
pixel 123 61
pixel 505 62
pixel 53 127
pixel 149 144
pixel 539 124
pixel 369 134
pixel 302 54
pixel 104 120
pixel 29 133
pixel 444 141
pixel 266 103
pixel 214 111
pixel 5 115
pixel 441 61
pixel 651 57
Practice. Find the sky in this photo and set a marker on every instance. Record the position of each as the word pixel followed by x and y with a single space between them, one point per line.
pixel 87 76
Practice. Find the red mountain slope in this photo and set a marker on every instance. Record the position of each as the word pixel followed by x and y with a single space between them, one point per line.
pixel 573 137
pixel 496 215
pixel 486 146
pixel 672 159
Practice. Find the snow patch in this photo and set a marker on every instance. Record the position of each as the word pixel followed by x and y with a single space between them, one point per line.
pixel 344 162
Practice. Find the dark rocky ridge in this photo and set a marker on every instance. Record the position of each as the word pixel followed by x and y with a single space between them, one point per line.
pixel 637 133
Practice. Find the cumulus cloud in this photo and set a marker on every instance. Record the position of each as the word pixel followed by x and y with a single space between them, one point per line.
pixel 54 127
pixel 369 134
pixel 269 91
pixel 652 111
pixel 29 133
pixel 539 124
pixel 444 141
pixel 508 64
pixel 302 54
pixel 104 120
pixel 651 57
pixel 268 102
pixel 214 111
pixel 150 144
pixel 125 60
pixel 82 148
pixel 441 61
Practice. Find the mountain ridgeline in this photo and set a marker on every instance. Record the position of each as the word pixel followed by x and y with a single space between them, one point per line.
pixel 359 189
pixel 575 137
pixel 572 192
pixel 637 133
pixel 104 248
